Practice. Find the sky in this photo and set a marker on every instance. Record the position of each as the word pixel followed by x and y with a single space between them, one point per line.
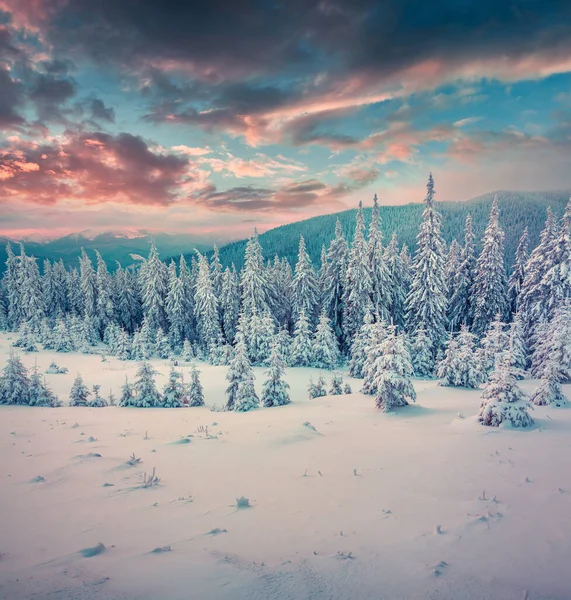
pixel 214 116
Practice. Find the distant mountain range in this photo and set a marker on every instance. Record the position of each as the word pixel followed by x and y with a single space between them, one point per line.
pixel 517 210
pixel 122 246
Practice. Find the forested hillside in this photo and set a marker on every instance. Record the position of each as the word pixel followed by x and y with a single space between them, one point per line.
pixel 517 209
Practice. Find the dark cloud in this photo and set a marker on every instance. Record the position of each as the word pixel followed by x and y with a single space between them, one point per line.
pixel 50 94
pixel 11 99
pixel 100 112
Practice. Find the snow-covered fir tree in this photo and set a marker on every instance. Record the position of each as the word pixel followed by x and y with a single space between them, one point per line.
pixel 517 344
pixel 360 346
pixel 230 303
pixel 334 280
pixel 253 279
pixel 490 287
pixel 518 272
pixel 97 401
pixel 305 287
pixel 452 265
pixel 553 344
pixel 503 401
pixel 347 388
pixel 261 334
pixel 421 353
pixel 246 397
pixel 379 333
pixel 142 347
pixel 187 283
pixel 126 300
pixel 336 385
pixel 398 282
pixel 358 285
pixel 426 302
pixel 206 306
pixel 195 392
pixel 79 394
pixel 88 286
pixel 153 279
pixel 316 389
pixel 380 276
pixel 275 390
pixel 33 309
pixel 302 346
pixel 173 392
pixel 459 366
pixel 549 392
pixel 162 344
pixel 105 308
pixel 325 352
pixel 127 394
pixel 390 373
pixel 283 341
pixel 40 392
pixel 145 390
pixel 123 345
pixel 27 339
pixel 238 371
pixel 11 283
pixel 61 339
pixel 532 303
pixel 494 344
pixel 216 275
pixel 14 382
pixel 175 308
pixel 187 352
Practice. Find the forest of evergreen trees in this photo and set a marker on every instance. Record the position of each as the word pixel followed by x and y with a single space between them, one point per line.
pixel 449 310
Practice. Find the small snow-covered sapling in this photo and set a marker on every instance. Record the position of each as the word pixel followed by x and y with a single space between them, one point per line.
pixel 243 502
pixel 133 460
pixel 151 480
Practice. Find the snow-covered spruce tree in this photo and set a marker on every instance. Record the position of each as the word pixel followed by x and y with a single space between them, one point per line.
pixel 360 346
pixel 311 389
pixel 358 285
pixel 532 299
pixel 78 396
pixel 97 401
pixel 238 371
pixel 347 389
pixel 74 294
pixel 110 337
pixel 216 275
pixel 549 392
pixel 230 303
pixel 391 374
pixel 553 344
pixel 143 347
pixel 14 383
pixel 104 304
pixel 556 283
pixel 123 345
pixel 283 341
pixel 448 368
pixel 187 283
pixel 519 351
pixel 127 394
pixel 206 306
pixel 275 390
pixel 194 391
pixel 173 393
pixel 336 386
pixel 126 301
pixel 421 354
pixel 40 393
pixel 153 279
pixel 145 390
pixel 518 272
pixel 502 399
pixel 261 334
pixel 451 267
pixel 334 280
pixel 280 291
pixel 304 286
pixel 175 307
pixel 490 287
pixel 302 347
pixel 88 286
pixel 426 301
pixel 246 397
pixel 316 390
pixel 380 276
pixel 61 340
pixel 325 351
pixel 379 332
pixel 221 354
pixel 11 283
pixel 27 339
pixel 162 344
pixel 494 344
pixel 187 352
pixel 460 367
pixel 253 279
pixel 48 291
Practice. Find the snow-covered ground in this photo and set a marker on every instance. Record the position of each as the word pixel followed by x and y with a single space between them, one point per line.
pixel 348 510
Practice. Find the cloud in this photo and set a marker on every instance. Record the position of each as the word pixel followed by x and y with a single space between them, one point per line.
pixel 92 167
pixel 100 112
